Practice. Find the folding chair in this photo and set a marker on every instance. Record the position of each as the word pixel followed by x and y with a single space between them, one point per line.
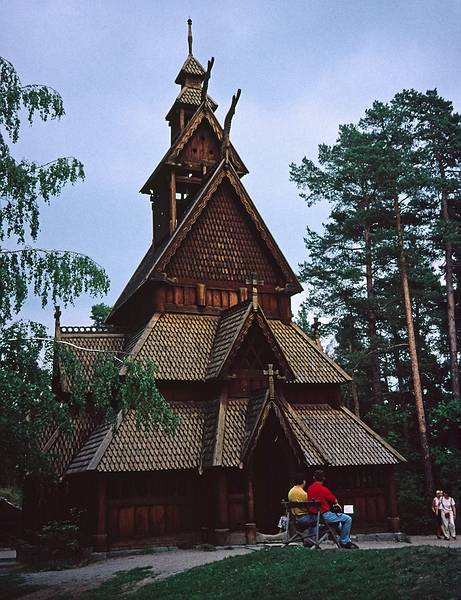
pixel 294 533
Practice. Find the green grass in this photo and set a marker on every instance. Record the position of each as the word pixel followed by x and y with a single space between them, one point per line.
pixel 422 573
pixel 121 583
pixel 13 586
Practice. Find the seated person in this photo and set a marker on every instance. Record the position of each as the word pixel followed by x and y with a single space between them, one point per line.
pixel 298 494
pixel 319 491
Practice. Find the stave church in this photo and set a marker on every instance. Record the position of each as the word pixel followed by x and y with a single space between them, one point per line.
pixel 258 399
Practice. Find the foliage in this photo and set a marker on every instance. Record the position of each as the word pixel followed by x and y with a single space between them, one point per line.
pixel 60 540
pixel 99 312
pixel 293 572
pixel 28 404
pixel 24 185
pixel 410 149
pixel 29 358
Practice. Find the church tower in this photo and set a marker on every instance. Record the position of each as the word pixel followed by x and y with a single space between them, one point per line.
pixel 210 246
pixel 257 399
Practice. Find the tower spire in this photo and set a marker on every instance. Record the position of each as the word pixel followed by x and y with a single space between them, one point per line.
pixel 189 35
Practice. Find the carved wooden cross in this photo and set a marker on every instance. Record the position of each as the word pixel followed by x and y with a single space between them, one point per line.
pixel 271 375
pixel 254 290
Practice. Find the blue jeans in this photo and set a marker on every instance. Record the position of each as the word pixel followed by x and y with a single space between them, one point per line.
pixel 307 519
pixel 344 520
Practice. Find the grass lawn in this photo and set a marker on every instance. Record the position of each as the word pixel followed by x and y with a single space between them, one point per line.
pixel 422 573
pixel 287 573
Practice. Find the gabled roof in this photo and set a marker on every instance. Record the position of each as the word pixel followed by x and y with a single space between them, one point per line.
pixel 298 437
pixel 157 260
pixel 348 439
pixel 225 173
pixel 179 345
pixel 229 326
pixel 204 112
pixel 233 326
pixel 194 347
pixel 87 344
pixel 224 433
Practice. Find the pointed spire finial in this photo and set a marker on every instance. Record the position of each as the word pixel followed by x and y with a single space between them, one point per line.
pixel 189 34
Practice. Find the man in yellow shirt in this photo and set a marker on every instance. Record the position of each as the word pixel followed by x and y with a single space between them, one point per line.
pixel 298 494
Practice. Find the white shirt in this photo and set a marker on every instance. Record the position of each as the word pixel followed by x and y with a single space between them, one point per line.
pixel 446 504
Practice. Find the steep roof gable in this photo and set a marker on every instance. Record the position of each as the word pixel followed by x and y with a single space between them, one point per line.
pixel 204 113
pixel 156 260
pixel 265 253
pixel 233 328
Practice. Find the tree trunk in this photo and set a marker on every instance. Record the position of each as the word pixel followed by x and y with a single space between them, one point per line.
pixel 355 397
pixel 354 391
pixel 451 319
pixel 420 412
pixel 371 318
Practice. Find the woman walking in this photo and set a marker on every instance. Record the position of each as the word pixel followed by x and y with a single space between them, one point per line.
pixel 437 513
pixel 447 509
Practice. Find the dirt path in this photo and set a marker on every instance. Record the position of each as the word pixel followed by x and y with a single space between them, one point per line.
pixel 72 582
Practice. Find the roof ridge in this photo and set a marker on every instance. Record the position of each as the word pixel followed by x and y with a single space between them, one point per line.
pixel 142 338
pixel 245 314
pixel 286 406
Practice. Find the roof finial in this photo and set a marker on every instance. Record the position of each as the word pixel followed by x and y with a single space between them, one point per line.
pixel 206 79
pixel 189 35
pixel 57 319
pixel 227 125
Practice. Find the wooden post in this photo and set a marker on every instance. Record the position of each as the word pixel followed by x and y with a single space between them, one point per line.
pixel 250 499
pixel 181 119
pixel 201 294
pixel 250 526
pixel 222 531
pixel 101 537
pixel 173 217
pixel 223 517
pixel 393 518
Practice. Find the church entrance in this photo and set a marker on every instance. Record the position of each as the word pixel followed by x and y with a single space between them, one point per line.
pixel 274 464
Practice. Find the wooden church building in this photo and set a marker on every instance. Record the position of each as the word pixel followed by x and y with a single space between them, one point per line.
pixel 258 399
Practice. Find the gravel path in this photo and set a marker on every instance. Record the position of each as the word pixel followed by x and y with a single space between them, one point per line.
pixel 72 582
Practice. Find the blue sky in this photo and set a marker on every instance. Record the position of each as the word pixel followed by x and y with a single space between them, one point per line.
pixel 304 67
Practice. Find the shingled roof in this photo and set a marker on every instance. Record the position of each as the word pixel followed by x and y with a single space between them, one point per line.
pixel 224 432
pixel 307 360
pixel 191 66
pixel 193 347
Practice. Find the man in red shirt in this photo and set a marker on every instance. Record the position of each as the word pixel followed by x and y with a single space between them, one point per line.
pixel 318 491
